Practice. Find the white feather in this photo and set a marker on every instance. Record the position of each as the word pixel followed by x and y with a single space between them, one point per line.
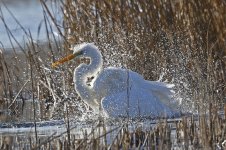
pixel 117 89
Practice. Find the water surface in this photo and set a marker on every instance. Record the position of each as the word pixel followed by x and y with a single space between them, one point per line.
pixel 30 15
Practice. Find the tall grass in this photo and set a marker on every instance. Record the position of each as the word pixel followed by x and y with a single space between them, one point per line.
pixel 185 133
pixel 184 40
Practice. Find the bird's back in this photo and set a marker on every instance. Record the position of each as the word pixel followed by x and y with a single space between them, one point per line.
pixel 109 81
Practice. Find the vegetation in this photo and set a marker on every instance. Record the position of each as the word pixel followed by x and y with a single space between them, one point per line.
pixel 184 40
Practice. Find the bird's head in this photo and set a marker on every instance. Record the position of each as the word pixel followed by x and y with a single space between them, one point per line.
pixel 81 50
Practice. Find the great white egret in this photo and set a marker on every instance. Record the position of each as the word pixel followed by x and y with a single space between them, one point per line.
pixel 119 92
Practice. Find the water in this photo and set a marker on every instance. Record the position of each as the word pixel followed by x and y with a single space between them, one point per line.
pixel 30 15
pixel 24 138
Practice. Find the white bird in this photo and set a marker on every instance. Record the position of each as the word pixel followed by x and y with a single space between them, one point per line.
pixel 119 92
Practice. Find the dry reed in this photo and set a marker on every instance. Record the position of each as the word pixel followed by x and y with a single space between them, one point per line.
pixel 185 40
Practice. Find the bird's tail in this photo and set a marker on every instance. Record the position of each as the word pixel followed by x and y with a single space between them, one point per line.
pixel 164 92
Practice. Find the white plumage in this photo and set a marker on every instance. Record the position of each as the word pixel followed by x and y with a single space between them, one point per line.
pixel 120 92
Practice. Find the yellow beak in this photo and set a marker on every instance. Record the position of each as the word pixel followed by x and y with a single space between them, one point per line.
pixel 65 59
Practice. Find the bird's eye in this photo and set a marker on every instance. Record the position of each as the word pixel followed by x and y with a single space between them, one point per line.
pixel 80 53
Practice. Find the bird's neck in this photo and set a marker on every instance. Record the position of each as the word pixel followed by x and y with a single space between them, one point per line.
pixel 82 73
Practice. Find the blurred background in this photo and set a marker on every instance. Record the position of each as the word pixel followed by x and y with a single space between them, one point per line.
pixel 29 14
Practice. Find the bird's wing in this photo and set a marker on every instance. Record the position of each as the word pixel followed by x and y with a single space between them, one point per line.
pixel 163 91
pixel 140 102
pixel 113 83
